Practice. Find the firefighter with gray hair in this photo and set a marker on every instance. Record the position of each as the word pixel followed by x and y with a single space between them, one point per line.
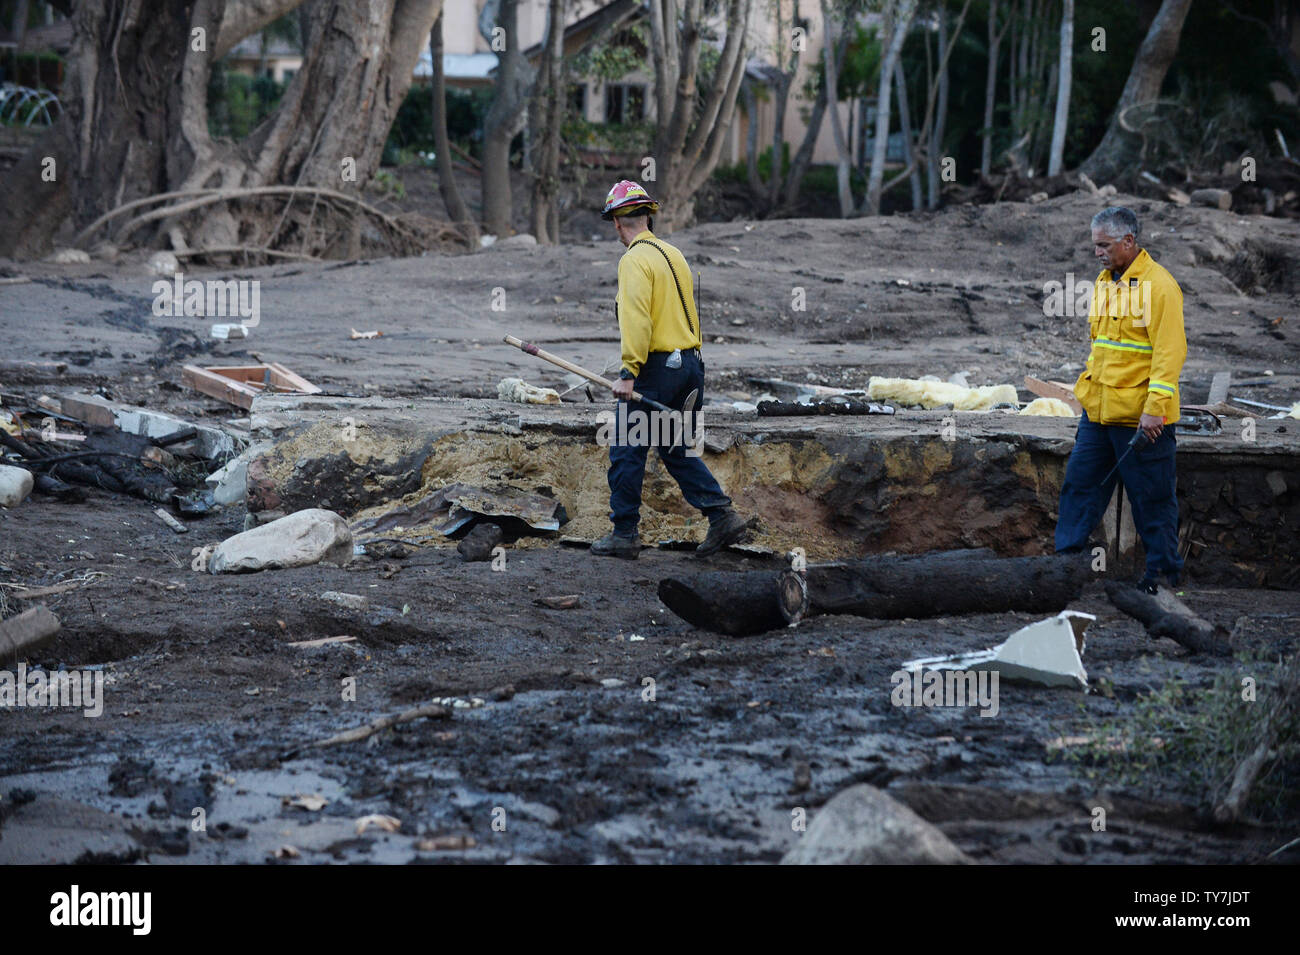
pixel 1129 393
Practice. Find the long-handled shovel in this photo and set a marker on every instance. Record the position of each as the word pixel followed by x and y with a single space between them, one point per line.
pixel 529 348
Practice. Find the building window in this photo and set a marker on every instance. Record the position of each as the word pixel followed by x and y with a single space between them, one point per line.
pixel 624 103
pixel 578 99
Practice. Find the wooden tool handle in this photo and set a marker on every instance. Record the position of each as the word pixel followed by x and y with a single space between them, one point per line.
pixel 530 349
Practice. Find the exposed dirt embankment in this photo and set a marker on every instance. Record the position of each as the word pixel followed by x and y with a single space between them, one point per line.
pixel 914 482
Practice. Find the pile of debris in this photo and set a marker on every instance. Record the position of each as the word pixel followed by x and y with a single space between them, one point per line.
pixel 63 445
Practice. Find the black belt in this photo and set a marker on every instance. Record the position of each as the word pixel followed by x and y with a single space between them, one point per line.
pixel 684 351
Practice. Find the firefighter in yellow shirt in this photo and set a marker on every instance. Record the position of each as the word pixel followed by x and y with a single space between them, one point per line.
pixel 660 334
pixel 1130 384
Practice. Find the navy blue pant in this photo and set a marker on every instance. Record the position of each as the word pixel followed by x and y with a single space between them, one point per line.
pixel 1149 478
pixel 668 386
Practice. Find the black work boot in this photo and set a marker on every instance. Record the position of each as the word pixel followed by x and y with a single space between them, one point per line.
pixel 614 544
pixel 725 531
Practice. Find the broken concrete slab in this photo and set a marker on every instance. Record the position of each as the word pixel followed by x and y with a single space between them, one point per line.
pixel 210 442
pixel 229 483
pixel 864 826
pixel 305 537
pixel 28 631
pixel 1048 652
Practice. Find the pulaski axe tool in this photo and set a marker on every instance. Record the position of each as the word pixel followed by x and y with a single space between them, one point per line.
pixel 529 348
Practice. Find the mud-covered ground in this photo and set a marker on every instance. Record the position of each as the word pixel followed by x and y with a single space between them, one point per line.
pixel 206 705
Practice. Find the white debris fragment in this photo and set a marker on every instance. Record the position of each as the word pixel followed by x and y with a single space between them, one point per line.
pixel 457 703
pixel 1049 652
pixel 15 485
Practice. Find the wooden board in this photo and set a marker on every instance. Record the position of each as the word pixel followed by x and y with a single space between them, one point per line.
pixel 240 384
pixel 1054 389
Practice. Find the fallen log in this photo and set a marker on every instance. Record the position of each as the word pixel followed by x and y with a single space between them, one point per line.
pixel 923 585
pixel 1164 615
pixel 26 632
pixel 823 406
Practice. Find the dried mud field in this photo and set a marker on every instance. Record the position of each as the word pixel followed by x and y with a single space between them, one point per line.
pixel 610 732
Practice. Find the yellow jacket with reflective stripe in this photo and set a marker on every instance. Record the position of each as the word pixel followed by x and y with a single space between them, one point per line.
pixel 1138 346
pixel 649 310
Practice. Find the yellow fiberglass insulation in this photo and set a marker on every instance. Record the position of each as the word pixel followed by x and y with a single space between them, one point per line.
pixel 1048 408
pixel 934 394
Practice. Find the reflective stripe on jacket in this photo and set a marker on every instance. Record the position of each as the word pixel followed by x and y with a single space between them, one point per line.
pixel 649 308
pixel 1138 346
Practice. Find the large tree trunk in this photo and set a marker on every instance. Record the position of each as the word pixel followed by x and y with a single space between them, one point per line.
pixel 893 39
pixel 506 116
pixel 752 178
pixel 990 88
pixel 905 124
pixel 21 11
pixel 548 112
pixel 1115 154
pixel 940 119
pixel 920 586
pixel 780 102
pixel 246 17
pixel 688 133
pixel 803 155
pixel 843 161
pixel 923 135
pixel 136 126
pixel 451 197
pixel 1062 120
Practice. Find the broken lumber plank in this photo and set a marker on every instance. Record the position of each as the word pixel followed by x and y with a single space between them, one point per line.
pixel 221 387
pixel 321 642
pixel 240 384
pixel 918 586
pixel 1054 389
pixel 28 631
pixel 1164 615
pixel 170 521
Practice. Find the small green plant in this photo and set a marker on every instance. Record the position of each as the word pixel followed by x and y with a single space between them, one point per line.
pixel 387 185
pixel 1189 740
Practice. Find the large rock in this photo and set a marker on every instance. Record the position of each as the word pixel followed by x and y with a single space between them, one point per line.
pixel 302 538
pixel 863 826
pixel 15 485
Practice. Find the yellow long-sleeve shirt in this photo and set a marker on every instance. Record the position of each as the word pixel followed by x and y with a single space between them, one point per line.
pixel 652 315
pixel 1138 346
